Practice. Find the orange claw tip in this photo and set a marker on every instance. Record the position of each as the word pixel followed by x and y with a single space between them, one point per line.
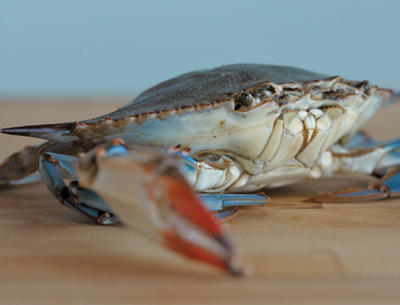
pixel 185 202
pixel 236 268
pixel 197 252
pixel 197 235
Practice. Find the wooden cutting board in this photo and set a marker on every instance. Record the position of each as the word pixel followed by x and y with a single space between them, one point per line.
pixel 302 253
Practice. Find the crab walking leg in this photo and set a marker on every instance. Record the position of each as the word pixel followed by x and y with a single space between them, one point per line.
pixel 217 202
pixel 53 169
pixel 35 177
pixel 383 158
pixel 147 190
pixel 388 186
pixel 18 167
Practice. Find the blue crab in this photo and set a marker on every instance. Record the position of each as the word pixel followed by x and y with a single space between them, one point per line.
pixel 230 131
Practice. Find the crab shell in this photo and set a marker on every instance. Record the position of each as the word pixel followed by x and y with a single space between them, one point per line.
pixel 259 115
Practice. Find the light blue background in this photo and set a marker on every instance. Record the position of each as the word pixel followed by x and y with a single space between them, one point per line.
pixel 105 48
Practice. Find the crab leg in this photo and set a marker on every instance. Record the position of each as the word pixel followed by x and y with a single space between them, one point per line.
pixel 18 167
pixel 225 206
pixel 382 160
pixel 388 186
pixel 53 169
pixel 216 202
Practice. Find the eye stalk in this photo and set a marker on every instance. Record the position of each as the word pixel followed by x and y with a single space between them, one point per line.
pixel 251 98
pixel 244 101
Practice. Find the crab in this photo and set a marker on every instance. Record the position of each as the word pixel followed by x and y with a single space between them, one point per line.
pixel 224 133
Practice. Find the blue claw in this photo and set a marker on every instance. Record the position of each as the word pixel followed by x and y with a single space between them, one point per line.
pixel 89 197
pixel 53 169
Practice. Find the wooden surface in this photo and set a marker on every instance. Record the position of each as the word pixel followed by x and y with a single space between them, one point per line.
pixel 302 253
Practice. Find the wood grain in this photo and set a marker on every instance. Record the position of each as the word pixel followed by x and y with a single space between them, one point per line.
pixel 302 253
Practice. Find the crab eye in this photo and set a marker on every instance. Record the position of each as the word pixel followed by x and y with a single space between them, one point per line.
pixel 246 100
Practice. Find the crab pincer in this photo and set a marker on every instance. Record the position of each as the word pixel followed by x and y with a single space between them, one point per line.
pixel 145 188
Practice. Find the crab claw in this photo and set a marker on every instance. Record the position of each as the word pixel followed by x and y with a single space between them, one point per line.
pixel 147 191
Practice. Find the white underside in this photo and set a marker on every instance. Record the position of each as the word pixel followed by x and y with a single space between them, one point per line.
pixel 298 146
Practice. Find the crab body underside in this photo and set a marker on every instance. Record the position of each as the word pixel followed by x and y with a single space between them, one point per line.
pixel 240 128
